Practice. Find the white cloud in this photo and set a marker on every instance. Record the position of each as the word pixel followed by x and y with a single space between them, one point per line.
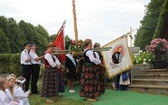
pixel 100 20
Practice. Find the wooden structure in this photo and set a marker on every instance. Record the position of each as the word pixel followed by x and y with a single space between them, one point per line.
pixel 75 21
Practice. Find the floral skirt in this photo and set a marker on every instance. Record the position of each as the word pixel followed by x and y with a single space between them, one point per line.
pixel 89 82
pixel 50 83
pixel 101 78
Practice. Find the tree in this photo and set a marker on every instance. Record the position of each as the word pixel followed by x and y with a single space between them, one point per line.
pixel 15 36
pixel 4 43
pixel 28 30
pixel 41 30
pixel 148 24
pixel 162 25
pixel 42 39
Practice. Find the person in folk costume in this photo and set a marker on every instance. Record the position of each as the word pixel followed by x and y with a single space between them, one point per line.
pixel 19 92
pixel 101 69
pixel 50 76
pixel 10 90
pixel 35 68
pixel 89 82
pixel 60 72
pixel 122 80
pixel 71 70
pixel 25 61
pixel 3 96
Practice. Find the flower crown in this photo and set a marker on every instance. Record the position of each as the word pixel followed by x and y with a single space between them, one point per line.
pixel 20 81
pixel 10 77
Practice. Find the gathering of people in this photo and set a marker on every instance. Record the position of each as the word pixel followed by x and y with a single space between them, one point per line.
pixel 15 90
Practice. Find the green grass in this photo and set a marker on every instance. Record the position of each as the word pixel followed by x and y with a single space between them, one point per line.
pixel 67 99
pixel 110 97
pixel 37 100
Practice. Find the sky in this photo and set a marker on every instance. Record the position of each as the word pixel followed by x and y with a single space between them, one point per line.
pixel 100 20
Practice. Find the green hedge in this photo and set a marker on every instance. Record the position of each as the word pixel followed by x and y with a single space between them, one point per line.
pixel 10 63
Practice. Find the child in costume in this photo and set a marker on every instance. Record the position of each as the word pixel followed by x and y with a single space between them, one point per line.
pixel 71 70
pixel 3 96
pixel 19 93
pixel 10 90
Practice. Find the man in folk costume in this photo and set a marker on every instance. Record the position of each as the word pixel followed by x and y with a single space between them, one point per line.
pixel 50 77
pixel 90 84
pixel 71 70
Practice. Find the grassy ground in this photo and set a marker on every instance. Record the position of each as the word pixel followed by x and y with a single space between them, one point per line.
pixel 110 97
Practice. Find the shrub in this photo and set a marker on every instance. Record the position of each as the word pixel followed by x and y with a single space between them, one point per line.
pixel 143 57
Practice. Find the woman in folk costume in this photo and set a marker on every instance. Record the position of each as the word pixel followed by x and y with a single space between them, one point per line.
pixel 19 92
pixel 61 85
pixel 10 90
pixel 3 96
pixel 50 77
pixel 101 69
pixel 90 84
pixel 71 70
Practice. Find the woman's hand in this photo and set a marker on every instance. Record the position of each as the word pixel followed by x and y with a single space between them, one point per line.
pixel 102 65
pixel 76 70
pixel 67 70
pixel 58 66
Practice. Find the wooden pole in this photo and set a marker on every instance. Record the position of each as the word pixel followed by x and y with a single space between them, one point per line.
pixel 75 23
pixel 130 36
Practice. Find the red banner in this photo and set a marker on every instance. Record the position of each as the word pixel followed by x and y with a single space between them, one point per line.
pixel 59 42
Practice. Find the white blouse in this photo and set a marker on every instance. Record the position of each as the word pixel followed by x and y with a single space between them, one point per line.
pixel 50 60
pixel 89 54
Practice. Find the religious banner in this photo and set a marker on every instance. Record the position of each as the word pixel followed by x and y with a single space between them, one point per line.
pixel 118 58
pixel 59 42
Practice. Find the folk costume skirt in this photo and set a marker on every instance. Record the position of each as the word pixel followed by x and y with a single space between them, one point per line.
pixel 50 83
pixel 101 78
pixel 61 86
pixel 89 82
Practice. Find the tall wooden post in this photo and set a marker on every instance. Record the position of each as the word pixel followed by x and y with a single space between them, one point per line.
pixel 75 23
pixel 130 36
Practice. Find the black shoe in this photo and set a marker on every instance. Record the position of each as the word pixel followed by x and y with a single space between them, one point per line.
pixel 37 93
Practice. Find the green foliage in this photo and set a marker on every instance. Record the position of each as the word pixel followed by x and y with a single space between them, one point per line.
pixel 4 43
pixel 67 41
pixel 162 18
pixel 10 63
pixel 52 37
pixel 143 57
pixel 13 35
pixel 148 24
pixel 42 31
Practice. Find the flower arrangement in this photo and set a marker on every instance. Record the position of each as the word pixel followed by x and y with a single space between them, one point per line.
pixel 157 46
pixel 76 46
pixel 143 57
